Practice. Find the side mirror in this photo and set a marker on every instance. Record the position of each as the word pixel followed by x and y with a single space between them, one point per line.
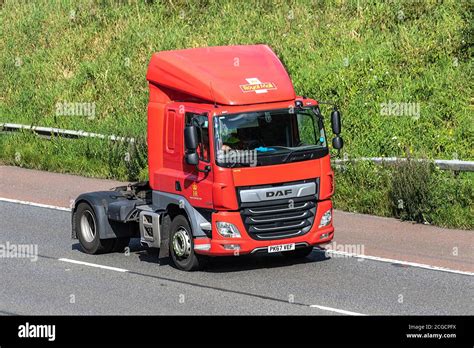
pixel 337 143
pixel 336 122
pixel 192 158
pixel 191 143
pixel 190 138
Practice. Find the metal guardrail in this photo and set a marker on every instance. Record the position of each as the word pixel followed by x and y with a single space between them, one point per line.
pixel 454 165
pixel 48 131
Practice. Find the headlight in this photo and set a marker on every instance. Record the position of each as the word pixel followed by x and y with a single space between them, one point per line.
pixel 228 230
pixel 326 218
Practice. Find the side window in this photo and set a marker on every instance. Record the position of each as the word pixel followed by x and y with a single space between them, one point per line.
pixel 202 124
pixel 307 132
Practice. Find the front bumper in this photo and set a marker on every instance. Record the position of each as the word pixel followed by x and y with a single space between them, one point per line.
pixel 215 246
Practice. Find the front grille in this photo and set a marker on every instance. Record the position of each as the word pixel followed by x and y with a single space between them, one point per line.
pixel 282 219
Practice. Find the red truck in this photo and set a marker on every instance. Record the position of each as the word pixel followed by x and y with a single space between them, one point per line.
pixel 238 164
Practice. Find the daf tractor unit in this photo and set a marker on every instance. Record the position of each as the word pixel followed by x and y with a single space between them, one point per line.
pixel 238 164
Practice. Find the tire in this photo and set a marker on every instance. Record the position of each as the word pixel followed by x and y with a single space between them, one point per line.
pixel 298 253
pixel 86 228
pixel 120 244
pixel 181 245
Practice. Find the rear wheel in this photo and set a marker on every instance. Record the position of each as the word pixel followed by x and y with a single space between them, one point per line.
pixel 298 253
pixel 182 246
pixel 87 231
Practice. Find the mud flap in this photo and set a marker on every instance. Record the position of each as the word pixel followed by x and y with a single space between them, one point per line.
pixel 100 201
pixel 165 238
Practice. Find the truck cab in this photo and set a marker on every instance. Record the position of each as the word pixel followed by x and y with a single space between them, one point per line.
pixel 238 164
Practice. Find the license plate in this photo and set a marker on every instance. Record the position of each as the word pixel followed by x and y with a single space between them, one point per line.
pixel 281 247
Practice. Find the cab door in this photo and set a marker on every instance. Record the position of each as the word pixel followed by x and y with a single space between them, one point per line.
pixel 197 180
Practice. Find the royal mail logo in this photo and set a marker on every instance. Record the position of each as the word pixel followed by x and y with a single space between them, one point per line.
pixel 255 85
pixel 194 187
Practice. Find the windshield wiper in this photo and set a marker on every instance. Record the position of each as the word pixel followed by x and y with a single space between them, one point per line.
pixel 288 151
pixel 293 150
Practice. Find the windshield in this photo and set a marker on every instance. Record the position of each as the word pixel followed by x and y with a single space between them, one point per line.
pixel 268 137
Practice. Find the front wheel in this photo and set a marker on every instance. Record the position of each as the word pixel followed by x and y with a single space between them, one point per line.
pixel 182 246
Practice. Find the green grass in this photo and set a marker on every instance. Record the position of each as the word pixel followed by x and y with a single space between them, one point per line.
pixel 359 53
pixel 438 197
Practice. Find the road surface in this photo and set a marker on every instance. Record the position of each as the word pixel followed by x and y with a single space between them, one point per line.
pixel 63 280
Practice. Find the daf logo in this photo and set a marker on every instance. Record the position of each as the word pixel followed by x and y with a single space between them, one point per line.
pixel 279 193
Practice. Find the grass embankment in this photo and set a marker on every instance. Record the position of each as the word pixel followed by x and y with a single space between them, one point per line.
pixel 361 54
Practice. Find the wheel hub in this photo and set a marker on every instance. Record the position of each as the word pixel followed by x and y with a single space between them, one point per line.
pixel 88 229
pixel 182 243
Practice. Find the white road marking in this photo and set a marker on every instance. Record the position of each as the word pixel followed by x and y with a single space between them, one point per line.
pixel 342 311
pixel 94 265
pixel 398 262
pixel 39 205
